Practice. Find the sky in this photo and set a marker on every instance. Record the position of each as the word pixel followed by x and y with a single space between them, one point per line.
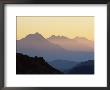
pixel 69 26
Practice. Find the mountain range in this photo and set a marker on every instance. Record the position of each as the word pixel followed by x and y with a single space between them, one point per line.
pixel 78 44
pixel 37 65
pixel 56 47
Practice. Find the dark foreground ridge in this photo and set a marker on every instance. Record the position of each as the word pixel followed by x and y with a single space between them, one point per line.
pixel 33 65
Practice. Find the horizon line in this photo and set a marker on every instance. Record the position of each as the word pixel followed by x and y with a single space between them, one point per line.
pixel 53 35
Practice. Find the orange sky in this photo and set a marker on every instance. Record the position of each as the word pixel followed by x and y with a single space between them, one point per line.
pixel 70 26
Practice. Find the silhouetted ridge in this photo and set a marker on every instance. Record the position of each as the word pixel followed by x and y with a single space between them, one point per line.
pixel 86 67
pixel 60 47
pixel 57 37
pixel 33 65
pixel 35 36
pixel 80 38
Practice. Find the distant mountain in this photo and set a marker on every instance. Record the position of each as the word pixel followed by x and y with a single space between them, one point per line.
pixel 33 65
pixel 57 37
pixel 36 44
pixel 63 65
pixel 86 67
pixel 79 44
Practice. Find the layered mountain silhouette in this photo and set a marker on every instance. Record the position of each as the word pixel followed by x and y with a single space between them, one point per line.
pixel 36 44
pixel 37 65
pixel 86 67
pixel 33 65
pixel 78 44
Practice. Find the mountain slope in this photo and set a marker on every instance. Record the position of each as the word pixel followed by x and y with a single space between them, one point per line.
pixel 77 44
pixel 30 65
pixel 35 44
pixel 86 67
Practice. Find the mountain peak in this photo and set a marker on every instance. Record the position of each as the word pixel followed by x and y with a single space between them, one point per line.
pixel 57 37
pixel 35 36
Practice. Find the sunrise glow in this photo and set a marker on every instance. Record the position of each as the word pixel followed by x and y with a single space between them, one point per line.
pixel 69 26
